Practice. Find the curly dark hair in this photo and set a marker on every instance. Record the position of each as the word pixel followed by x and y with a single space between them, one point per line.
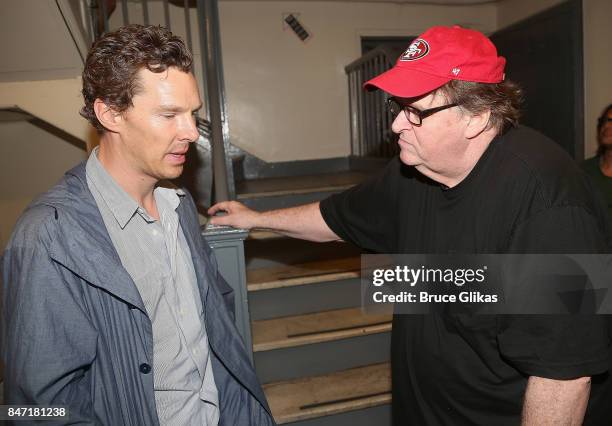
pixel 503 99
pixel 601 119
pixel 600 122
pixel 112 64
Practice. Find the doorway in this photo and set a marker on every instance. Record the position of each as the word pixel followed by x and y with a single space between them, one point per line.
pixel 545 56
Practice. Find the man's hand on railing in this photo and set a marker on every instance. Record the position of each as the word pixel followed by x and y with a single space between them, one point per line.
pixel 237 215
pixel 304 222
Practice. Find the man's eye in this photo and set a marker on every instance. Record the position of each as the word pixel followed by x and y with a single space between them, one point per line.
pixel 169 115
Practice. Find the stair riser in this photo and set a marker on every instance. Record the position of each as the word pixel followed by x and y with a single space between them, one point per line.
pixel 283 201
pixel 302 299
pixel 322 358
pixel 288 251
pixel 374 416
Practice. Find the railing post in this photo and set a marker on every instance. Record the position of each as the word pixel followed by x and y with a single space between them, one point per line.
pixel 361 106
pixel 145 12
pixel 228 244
pixel 212 68
pixel 125 12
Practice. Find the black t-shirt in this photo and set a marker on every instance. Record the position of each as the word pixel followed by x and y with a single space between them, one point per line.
pixel 525 195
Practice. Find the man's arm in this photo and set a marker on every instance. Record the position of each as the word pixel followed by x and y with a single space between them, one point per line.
pixel 304 222
pixel 555 402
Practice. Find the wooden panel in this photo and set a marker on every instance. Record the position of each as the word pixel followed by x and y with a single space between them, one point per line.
pixel 346 390
pixel 316 328
pixel 305 273
pixel 298 184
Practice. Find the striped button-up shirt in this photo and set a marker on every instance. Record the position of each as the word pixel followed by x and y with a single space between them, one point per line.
pixel 157 257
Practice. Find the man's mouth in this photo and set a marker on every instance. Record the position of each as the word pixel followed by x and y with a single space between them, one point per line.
pixel 178 156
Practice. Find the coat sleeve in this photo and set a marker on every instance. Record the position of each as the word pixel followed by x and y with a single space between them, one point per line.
pixel 48 342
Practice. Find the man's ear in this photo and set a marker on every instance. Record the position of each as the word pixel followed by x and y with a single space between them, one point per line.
pixel 478 123
pixel 108 117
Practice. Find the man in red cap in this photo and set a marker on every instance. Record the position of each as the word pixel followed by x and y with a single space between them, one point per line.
pixel 469 179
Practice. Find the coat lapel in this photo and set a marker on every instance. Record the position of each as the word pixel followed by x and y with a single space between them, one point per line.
pixel 84 245
pixel 223 336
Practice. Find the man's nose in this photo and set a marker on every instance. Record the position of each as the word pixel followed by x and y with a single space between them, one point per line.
pixel 190 130
pixel 400 123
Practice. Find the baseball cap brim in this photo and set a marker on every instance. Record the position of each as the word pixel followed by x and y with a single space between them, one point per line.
pixel 405 83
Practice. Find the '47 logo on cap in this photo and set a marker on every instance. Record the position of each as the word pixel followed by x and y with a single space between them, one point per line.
pixel 416 50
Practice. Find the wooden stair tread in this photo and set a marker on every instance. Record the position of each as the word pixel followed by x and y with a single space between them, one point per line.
pixel 281 192
pixel 316 328
pixel 334 393
pixel 297 184
pixel 304 273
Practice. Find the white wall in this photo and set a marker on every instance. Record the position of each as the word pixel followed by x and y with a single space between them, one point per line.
pixel 288 100
pixel 31 161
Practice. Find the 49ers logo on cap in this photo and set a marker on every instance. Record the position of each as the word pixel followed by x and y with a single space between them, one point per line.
pixel 416 50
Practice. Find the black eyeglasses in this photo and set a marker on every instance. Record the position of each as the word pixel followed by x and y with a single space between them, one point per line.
pixel 414 115
pixel 603 120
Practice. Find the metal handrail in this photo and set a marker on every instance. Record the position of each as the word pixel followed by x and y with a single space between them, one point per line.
pixel 370 122
pixel 367 57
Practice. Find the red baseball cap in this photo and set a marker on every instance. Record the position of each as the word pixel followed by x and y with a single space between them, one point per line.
pixel 437 56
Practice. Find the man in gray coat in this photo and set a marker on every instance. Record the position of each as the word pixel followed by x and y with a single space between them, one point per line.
pixel 112 303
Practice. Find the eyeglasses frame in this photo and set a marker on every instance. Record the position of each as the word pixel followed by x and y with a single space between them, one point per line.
pixel 407 109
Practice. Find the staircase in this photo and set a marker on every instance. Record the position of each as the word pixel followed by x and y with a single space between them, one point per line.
pixel 320 359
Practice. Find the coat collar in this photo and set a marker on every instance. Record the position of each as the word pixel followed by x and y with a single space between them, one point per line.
pixel 83 244
pixel 85 247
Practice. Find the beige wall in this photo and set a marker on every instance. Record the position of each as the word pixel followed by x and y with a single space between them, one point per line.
pixel 511 11
pixel 597 15
pixel 31 161
pixel 288 100
pixel 55 101
pixel 35 42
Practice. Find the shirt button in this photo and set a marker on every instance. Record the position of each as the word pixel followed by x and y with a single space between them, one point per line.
pixel 145 368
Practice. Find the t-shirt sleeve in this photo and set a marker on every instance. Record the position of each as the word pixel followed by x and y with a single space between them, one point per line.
pixel 365 215
pixel 557 346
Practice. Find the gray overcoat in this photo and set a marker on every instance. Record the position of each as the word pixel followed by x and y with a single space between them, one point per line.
pixel 75 331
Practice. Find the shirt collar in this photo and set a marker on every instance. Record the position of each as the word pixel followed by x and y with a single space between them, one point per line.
pixel 167 197
pixel 121 205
